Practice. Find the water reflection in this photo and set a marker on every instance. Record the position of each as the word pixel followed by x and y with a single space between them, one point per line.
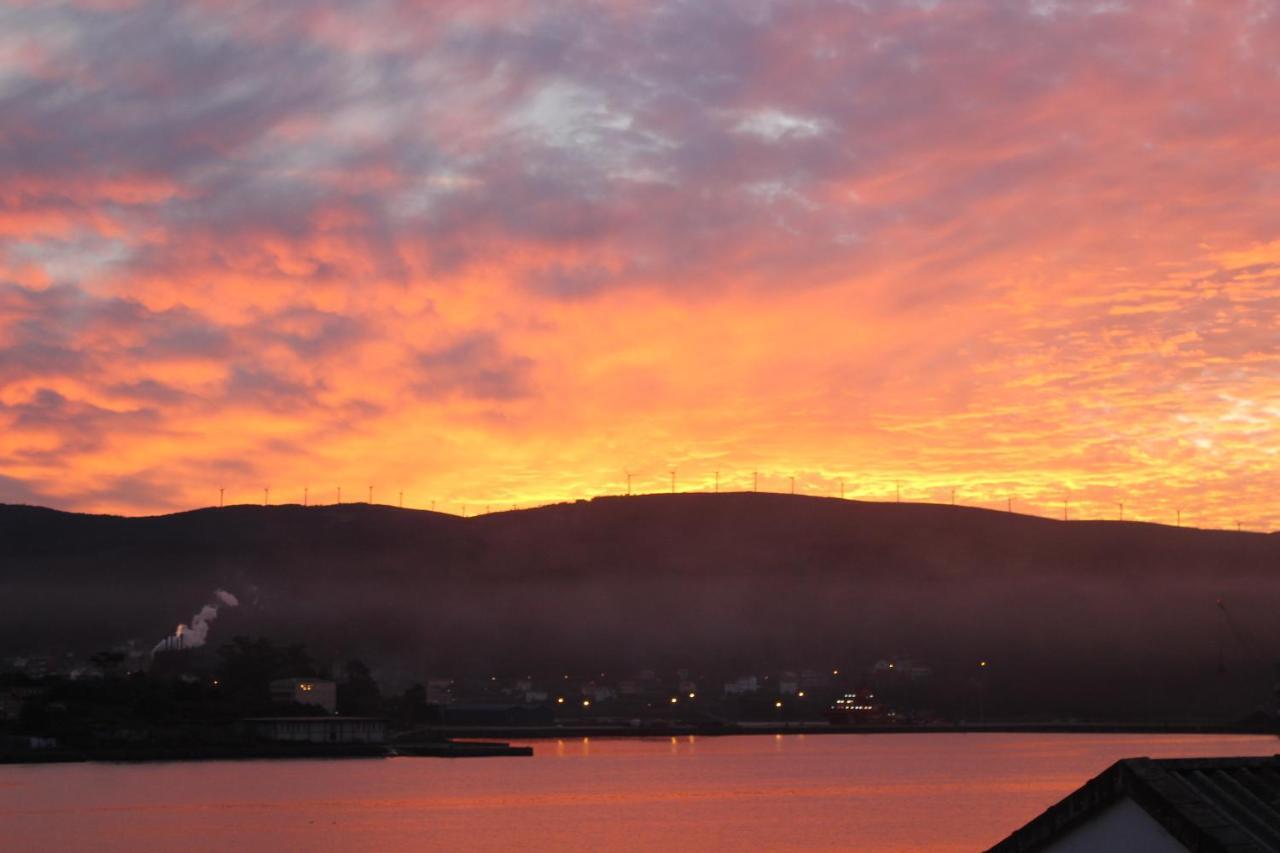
pixel 787 792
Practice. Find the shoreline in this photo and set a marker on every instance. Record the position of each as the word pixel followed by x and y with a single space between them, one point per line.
pixel 819 728
pixel 477 742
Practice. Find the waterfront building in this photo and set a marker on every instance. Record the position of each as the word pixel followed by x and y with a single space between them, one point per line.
pixel 318 729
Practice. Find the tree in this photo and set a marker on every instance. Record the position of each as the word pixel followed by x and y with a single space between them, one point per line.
pixel 247 667
pixel 358 693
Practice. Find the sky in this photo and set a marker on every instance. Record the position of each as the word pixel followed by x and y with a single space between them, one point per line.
pixel 502 253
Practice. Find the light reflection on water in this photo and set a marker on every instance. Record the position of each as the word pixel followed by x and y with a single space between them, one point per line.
pixel 880 792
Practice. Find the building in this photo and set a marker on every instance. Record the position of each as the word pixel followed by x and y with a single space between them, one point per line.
pixel 318 729
pixel 742 686
pixel 598 692
pixel 788 684
pixel 1164 806
pixel 306 691
pixel 439 691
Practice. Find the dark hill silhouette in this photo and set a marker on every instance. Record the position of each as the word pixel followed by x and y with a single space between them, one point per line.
pixel 1078 618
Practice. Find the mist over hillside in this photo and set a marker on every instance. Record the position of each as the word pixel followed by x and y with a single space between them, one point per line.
pixel 1102 619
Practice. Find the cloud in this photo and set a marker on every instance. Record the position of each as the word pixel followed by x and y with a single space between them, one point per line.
pixel 476 367
pixel 16 491
pixel 998 244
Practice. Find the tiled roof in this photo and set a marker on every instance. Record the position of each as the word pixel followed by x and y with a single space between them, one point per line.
pixel 1207 804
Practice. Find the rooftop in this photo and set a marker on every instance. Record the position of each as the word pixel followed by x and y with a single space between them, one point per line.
pixel 1207 804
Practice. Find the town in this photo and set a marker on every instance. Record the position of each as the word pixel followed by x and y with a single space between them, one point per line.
pixel 257 696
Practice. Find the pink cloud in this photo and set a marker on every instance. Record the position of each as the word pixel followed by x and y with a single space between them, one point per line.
pixel 999 246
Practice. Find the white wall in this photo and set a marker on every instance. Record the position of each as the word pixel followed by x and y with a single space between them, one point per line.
pixel 1120 828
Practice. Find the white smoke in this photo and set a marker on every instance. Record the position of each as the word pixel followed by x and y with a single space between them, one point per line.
pixel 194 635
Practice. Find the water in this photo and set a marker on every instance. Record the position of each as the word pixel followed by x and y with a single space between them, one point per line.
pixel 897 792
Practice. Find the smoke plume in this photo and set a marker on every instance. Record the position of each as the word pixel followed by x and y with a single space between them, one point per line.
pixel 194 635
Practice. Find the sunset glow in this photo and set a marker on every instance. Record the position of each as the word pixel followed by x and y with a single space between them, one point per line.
pixel 503 254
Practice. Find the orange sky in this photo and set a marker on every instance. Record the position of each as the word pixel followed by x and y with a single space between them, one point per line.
pixel 501 253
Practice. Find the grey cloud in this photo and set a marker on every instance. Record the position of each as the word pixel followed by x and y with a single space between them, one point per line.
pixel 260 386
pixel 80 427
pixel 477 367
pixel 15 491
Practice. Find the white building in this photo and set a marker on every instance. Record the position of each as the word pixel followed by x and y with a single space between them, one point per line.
pixel 742 686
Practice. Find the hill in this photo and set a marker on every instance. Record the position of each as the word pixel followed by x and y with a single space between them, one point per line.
pixel 1085 618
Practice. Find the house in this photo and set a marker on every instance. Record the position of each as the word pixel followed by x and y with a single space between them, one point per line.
pixel 598 692
pixel 306 691
pixel 788 684
pixel 742 686
pixel 318 729
pixel 439 691
pixel 1163 806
